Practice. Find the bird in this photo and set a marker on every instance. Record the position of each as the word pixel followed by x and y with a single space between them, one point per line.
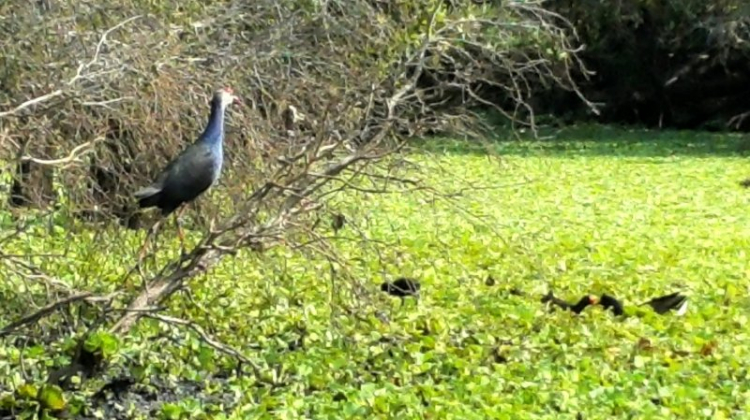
pixel 661 305
pixel 664 304
pixel 193 171
pixel 577 308
pixel 401 287
pixel 338 222
pixel 489 281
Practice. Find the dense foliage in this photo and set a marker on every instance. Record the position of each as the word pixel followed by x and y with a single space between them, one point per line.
pixel 671 63
pixel 635 214
pixel 272 312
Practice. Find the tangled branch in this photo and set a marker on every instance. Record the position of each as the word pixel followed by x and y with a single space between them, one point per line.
pixel 74 156
pixel 213 343
pixel 83 73
pixel 332 97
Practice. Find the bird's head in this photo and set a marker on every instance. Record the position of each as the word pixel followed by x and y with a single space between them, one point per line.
pixel 586 301
pixel 225 97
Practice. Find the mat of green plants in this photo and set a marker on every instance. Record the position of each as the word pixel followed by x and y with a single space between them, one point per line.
pixel 632 213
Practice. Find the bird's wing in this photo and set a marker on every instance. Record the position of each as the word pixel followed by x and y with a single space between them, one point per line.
pixel 193 168
pixel 610 302
pixel 665 303
pixel 158 184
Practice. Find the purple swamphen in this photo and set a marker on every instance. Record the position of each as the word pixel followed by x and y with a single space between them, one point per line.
pixel 193 171
pixel 401 288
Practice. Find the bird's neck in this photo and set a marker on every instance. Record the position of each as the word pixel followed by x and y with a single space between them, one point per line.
pixel 214 132
pixel 580 305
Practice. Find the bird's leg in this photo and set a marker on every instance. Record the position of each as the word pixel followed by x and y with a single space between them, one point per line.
pixel 151 232
pixel 179 230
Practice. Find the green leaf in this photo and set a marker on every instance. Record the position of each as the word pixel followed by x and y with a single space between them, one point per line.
pixel 170 411
pixel 206 357
pixel 52 397
pixel 103 342
pixel 28 391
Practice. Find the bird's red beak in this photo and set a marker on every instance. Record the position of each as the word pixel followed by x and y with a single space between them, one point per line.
pixel 236 99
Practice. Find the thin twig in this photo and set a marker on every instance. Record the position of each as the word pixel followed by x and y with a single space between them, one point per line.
pixel 221 347
pixel 74 156
pixel 45 311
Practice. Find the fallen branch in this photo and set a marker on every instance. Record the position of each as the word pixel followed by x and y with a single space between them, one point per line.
pixel 49 309
pixel 159 288
pixel 219 346
pixel 34 273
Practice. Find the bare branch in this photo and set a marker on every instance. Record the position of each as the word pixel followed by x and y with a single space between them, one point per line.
pixel 737 120
pixel 80 74
pixel 32 102
pixel 74 156
pixel 221 347
pixel 48 310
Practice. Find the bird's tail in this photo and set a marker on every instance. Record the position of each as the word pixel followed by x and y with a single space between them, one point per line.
pixel 148 197
pixel 668 302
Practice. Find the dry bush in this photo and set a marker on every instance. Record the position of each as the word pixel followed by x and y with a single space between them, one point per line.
pixel 363 77
pixel 142 91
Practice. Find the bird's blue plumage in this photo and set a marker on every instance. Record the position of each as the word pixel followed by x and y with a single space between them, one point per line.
pixel 213 134
pixel 193 171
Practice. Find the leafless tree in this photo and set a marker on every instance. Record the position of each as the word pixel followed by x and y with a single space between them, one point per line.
pixel 332 97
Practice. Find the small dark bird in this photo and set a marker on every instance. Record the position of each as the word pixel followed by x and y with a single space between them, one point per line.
pixel 576 308
pixel 660 305
pixel 668 302
pixel 401 287
pixel 194 170
pixel 609 302
pixel 338 222
pixel 745 183
pixel 116 386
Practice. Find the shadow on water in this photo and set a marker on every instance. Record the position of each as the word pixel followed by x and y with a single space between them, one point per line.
pixel 596 140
